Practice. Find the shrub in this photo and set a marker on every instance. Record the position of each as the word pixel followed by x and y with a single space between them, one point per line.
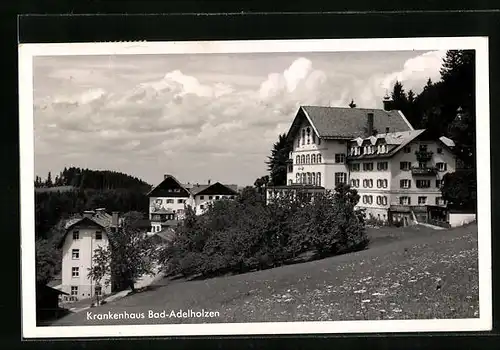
pixel 238 236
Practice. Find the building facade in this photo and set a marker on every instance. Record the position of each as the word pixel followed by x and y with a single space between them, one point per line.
pixel 82 237
pixel 169 200
pixel 396 169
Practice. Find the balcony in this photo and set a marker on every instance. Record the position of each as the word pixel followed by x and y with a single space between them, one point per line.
pixel 424 171
pixel 423 156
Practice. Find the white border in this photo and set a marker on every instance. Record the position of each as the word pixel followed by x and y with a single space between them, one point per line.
pixel 28 51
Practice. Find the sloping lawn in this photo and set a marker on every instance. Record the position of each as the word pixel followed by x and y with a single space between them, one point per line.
pixel 413 273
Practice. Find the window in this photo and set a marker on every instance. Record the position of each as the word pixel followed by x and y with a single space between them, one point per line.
pixel 75 272
pixel 355 167
pixel 367 199
pixel 340 158
pixel 98 290
pixel 76 234
pixel 74 290
pixel 422 200
pixel 439 183
pixel 170 201
pixel 381 200
pixel 217 197
pixel 202 197
pixel 407 149
pixel 423 183
pixel 309 179
pixel 314 137
pixel 383 183
pixel 210 198
pixel 404 166
pixel 405 183
pixel 308 161
pixel 319 141
pixel 368 166
pixel 318 179
pixel 308 135
pixel 439 201
pixel 297 160
pixel 303 136
pixel 313 175
pixel 289 183
pixel 355 182
pixel 319 158
pixel 75 254
pixel 98 235
pixel 340 178
pixel 313 158
pixel 202 207
pixel 302 159
pixel 439 150
pixel 441 166
pixel 405 200
pixel 297 178
pixel 368 183
pixel 180 201
pixel 422 165
pixel 382 166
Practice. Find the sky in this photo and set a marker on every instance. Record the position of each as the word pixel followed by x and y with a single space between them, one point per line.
pixel 198 116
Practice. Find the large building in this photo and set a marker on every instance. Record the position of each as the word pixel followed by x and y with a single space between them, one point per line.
pixel 396 169
pixel 168 200
pixel 83 235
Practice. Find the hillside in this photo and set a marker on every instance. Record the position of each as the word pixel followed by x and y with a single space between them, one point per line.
pixel 423 274
pixel 92 179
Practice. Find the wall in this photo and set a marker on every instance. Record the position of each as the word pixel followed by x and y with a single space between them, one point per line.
pixel 87 244
pixel 459 219
pixel 327 168
pixel 397 174
pixel 205 200
pixel 157 203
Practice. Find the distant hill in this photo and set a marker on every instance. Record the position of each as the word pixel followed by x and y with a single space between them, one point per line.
pixel 78 178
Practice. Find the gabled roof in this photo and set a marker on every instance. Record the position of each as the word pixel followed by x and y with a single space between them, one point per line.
pixel 161 190
pixel 347 123
pixel 448 142
pixel 216 188
pixel 99 218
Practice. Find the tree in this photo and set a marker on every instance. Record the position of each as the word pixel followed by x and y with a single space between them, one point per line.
pixel 410 97
pixel 261 182
pixel 129 255
pixel 398 96
pixel 48 183
pixel 352 104
pixel 277 162
pixel 459 189
pixel 47 260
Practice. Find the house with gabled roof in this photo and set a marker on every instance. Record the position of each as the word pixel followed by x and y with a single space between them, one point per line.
pixel 83 234
pixel 376 151
pixel 169 199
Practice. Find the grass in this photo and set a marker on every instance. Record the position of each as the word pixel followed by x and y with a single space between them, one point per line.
pixel 407 273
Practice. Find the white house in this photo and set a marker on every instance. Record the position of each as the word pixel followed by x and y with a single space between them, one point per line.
pixel 169 199
pixel 397 170
pixel 83 235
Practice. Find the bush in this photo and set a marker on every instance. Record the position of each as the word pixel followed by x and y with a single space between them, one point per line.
pixel 238 236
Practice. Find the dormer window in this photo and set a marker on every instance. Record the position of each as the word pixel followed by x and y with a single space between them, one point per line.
pixel 308 135
pixel 76 234
pixel 98 235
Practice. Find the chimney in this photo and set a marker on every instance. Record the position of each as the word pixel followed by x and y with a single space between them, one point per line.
pixel 387 103
pixel 209 181
pixel 369 124
pixel 387 130
pixel 88 214
pixel 114 218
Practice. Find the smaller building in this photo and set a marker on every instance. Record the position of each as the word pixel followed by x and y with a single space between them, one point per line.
pixel 84 234
pixel 47 302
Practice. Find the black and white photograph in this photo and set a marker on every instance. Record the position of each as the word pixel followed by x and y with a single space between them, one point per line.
pixel 255 187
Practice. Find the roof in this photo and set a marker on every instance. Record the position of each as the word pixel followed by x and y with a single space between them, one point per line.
pixel 396 139
pixel 448 142
pixel 167 234
pixel 347 123
pixel 295 186
pixel 98 217
pixel 192 189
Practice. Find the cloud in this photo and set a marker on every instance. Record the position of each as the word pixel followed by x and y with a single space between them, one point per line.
pixel 183 121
